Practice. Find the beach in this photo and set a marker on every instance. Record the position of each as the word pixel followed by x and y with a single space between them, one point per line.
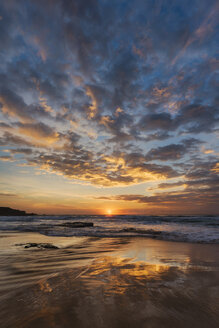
pixel 107 282
pixel 109 171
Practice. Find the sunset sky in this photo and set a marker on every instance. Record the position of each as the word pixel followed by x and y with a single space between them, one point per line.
pixel 109 105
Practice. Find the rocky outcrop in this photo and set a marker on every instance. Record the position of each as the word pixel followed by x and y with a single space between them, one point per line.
pixel 7 211
pixel 77 224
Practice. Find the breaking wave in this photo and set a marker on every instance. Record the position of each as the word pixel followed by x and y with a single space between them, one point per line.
pixel 172 228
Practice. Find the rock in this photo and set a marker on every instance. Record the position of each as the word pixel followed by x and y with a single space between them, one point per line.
pixel 48 246
pixel 31 245
pixel 77 224
pixel 7 211
pixel 38 245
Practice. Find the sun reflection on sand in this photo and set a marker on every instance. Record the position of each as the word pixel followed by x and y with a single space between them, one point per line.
pixel 114 290
pixel 99 282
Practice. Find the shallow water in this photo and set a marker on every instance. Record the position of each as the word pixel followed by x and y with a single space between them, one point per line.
pixel 107 282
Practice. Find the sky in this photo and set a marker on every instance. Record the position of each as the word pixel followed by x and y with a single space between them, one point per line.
pixel 109 106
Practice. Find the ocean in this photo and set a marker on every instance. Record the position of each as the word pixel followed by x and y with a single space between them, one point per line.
pixel 195 229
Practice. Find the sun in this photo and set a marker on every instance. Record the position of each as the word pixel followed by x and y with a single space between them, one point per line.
pixel 109 212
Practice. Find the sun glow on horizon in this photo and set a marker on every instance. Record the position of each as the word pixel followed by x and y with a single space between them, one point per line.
pixel 109 212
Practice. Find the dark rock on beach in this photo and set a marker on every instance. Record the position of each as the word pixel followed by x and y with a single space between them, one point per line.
pixel 77 224
pixel 38 245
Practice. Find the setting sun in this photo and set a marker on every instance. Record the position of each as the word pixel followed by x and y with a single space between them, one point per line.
pixel 109 212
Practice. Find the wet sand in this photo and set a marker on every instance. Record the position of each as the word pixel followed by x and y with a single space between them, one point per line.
pixel 111 282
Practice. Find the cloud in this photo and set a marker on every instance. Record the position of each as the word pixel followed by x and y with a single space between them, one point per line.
pixel 198 192
pixel 103 171
pixel 197 118
pixel 106 92
pixel 178 199
pixel 205 28
pixel 7 158
pixel 27 151
pixel 194 118
pixel 12 139
pixel 7 194
pixel 167 185
pixel 38 131
pixel 13 105
pixel 160 121
pixel 173 151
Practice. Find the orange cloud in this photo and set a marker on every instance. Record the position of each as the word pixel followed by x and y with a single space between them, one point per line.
pixel 93 108
pixel 39 131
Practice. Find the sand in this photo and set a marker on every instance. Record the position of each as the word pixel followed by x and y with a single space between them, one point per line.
pixel 114 282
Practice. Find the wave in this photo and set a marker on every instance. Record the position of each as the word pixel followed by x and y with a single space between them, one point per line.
pixel 126 232
pixel 199 229
pixel 206 220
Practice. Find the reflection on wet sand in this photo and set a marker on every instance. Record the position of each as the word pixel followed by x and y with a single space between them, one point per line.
pixel 99 285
